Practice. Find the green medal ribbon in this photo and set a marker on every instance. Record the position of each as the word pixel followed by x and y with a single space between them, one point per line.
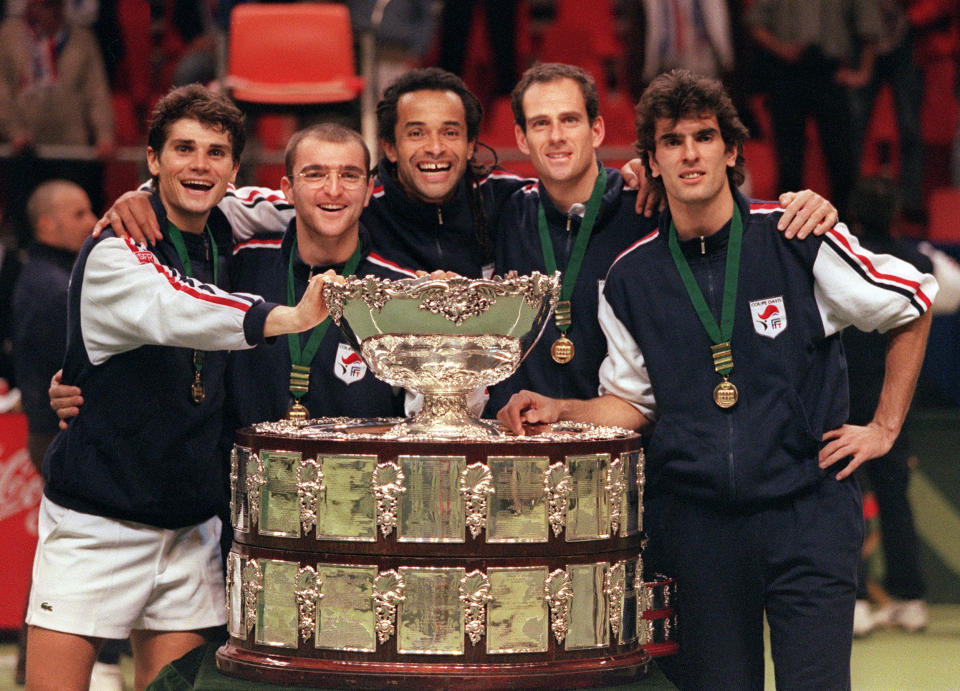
pixel 300 358
pixel 197 393
pixel 562 315
pixel 720 335
pixel 176 237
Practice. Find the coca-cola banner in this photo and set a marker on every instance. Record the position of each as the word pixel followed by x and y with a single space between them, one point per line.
pixel 20 490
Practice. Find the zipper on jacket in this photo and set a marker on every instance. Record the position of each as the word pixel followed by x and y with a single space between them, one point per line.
pixel 436 238
pixel 703 245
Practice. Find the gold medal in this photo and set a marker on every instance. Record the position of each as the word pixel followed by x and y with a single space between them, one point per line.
pixel 298 411
pixel 562 350
pixel 197 392
pixel 725 394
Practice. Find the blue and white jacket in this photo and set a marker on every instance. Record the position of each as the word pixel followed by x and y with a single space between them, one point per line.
pixel 518 248
pixel 340 383
pixel 140 449
pixel 793 300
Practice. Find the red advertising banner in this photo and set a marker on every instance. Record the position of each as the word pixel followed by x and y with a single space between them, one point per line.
pixel 20 491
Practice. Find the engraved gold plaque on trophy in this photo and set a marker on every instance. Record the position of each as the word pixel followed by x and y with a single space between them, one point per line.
pixel 345 617
pixel 279 500
pixel 347 510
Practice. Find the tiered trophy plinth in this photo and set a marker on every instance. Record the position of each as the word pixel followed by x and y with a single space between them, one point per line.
pixel 369 562
pixel 438 551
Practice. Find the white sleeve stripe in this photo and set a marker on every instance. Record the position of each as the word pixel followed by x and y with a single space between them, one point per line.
pixel 862 265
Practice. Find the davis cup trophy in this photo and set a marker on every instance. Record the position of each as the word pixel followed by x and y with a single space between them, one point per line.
pixel 439 551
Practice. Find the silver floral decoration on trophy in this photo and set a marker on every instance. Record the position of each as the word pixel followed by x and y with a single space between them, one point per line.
pixel 474 594
pixel 613 588
pixel 476 484
pixel 615 487
pixel 641 481
pixel 387 487
pixel 234 477
pixel 252 587
pixel 309 486
pixel 558 485
pixel 308 594
pixel 443 337
pixel 231 577
pixel 558 591
pixel 255 482
pixel 644 625
pixel 388 589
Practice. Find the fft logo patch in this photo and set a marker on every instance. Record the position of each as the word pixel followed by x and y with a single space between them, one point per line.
pixel 348 366
pixel 769 316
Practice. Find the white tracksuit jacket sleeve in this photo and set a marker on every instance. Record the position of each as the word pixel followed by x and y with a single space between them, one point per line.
pixel 253 210
pixel 855 287
pixel 128 299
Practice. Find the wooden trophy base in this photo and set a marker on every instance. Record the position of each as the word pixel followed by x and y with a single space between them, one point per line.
pixel 609 670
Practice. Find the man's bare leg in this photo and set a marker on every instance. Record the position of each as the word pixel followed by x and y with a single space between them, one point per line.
pixel 58 661
pixel 154 649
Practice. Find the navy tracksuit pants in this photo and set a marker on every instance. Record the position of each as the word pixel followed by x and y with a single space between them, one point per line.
pixel 793 560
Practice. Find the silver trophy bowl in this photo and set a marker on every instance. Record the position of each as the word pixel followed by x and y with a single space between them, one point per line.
pixel 443 337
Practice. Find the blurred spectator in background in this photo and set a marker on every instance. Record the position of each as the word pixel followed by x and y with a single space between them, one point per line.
pixel 61 218
pixel 187 40
pixel 895 66
pixel 79 12
pixel 703 36
pixel 403 30
pixel 690 34
pixel 900 602
pixel 53 90
pixel 501 16
pixel 817 50
pixel 872 210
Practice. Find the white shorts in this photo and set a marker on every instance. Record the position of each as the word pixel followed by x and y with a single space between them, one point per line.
pixel 102 578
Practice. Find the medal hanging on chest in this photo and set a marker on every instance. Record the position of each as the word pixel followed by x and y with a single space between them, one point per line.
pixel 197 391
pixel 563 350
pixel 725 394
pixel 301 358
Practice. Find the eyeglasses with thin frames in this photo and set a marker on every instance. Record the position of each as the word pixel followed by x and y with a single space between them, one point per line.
pixel 349 178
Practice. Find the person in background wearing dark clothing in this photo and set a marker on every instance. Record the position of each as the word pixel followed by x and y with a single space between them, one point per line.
pixel 895 65
pixel 501 16
pixel 61 218
pixel 817 50
pixel 873 207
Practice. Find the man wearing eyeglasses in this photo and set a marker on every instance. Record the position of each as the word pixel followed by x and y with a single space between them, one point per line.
pixel 315 374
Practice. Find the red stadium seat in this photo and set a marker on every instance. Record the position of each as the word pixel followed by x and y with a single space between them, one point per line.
pixel 292 54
